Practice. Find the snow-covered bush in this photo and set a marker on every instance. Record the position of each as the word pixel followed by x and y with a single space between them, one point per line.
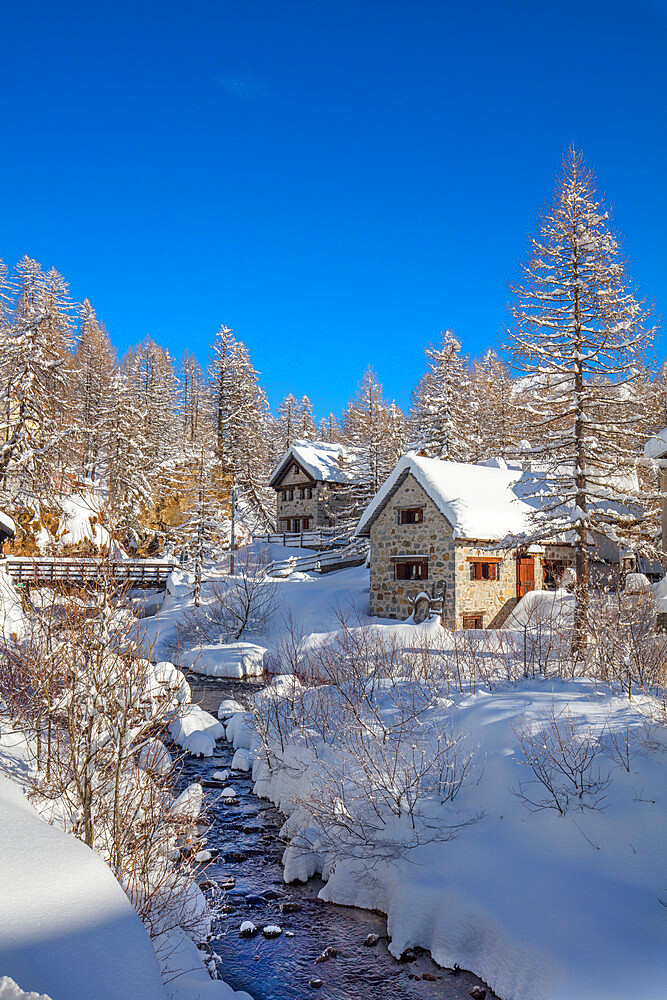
pixel 241 604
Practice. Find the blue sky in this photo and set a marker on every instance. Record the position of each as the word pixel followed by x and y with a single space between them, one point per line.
pixel 337 181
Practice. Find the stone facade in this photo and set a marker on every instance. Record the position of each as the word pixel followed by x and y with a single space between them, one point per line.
pixel 449 564
pixel 321 507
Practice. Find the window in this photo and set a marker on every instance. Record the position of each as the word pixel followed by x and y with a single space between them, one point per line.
pixel 301 493
pixel 411 515
pixel 295 470
pixel 309 492
pixel 305 523
pixel 473 621
pixel 552 570
pixel 283 494
pixel 412 569
pixel 483 570
pixel 290 494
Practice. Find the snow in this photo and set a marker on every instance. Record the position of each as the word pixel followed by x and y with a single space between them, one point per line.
pixel 176 952
pixel 180 583
pixel 234 659
pixel 656 446
pixel 12 620
pixel 325 462
pixel 67 929
pixel 637 583
pixel 189 803
pixel 537 904
pixel 241 760
pixel 193 719
pixel 7 525
pixel 478 501
pixel 80 520
pixel 540 608
pixel 229 707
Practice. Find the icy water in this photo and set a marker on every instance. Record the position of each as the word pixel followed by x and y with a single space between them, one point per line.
pixel 283 968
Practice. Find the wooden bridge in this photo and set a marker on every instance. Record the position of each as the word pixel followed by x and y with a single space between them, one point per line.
pixel 43 572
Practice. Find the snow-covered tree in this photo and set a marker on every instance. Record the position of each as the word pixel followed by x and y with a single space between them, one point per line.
pixel 241 420
pixel 440 415
pixel 580 334
pixel 371 429
pixel 193 401
pixel 307 430
pixel 288 421
pixel 494 425
pixel 94 366
pixel 34 378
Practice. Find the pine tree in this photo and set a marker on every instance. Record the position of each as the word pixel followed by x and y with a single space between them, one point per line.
pixel 440 415
pixel 579 334
pixel 494 427
pixel 125 448
pixel 193 401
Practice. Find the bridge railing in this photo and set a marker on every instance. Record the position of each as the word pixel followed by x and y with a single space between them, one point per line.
pixel 48 572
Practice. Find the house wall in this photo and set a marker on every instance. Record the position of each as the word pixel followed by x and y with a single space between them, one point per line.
pixel 323 506
pixel 433 537
pixel 449 565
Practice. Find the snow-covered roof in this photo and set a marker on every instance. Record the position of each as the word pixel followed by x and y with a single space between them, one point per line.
pixel 7 525
pixel 656 446
pixel 478 501
pixel 325 462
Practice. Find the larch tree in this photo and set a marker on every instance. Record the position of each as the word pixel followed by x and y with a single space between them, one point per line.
pixel 288 420
pixel 94 366
pixel 307 429
pixel 34 377
pixel 494 426
pixel 366 430
pixel 580 335
pixel 192 399
pixel 440 415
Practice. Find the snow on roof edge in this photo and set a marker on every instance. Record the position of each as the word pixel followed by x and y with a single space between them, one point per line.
pixel 7 524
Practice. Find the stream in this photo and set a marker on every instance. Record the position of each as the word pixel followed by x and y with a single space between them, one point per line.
pixel 285 967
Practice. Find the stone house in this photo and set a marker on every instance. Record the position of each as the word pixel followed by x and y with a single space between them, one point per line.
pixel 313 482
pixel 436 527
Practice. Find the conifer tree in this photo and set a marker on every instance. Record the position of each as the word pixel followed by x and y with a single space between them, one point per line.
pixel 440 414
pixel 307 429
pixel 580 335
pixel 288 421
pixel 368 431
pixel 94 366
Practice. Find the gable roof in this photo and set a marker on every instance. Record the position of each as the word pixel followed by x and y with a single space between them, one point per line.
pixel 323 461
pixel 478 501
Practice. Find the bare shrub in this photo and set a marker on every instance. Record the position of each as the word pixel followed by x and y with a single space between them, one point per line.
pixel 562 756
pixel 241 604
pixel 625 647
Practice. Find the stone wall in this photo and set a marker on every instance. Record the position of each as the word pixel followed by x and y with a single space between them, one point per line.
pixel 432 538
pixel 448 565
pixel 488 598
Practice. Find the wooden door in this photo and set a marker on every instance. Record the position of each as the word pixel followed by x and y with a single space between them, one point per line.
pixel 525 575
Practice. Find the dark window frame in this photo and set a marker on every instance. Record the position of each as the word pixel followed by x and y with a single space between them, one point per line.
pixel 472 620
pixel 411 515
pixel 411 570
pixel 484 572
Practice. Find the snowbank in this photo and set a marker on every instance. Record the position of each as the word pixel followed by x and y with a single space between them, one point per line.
pixel 12 621
pixel 67 929
pixel 537 904
pixel 80 520
pixel 235 659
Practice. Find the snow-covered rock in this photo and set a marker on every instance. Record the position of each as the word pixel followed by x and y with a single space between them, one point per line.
pixel 189 803
pixel 637 583
pixel 241 760
pixel 193 719
pixel 229 707
pixel 155 757
pixel 199 744
pixel 235 659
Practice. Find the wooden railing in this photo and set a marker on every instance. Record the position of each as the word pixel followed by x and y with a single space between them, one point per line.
pixel 321 538
pixel 79 572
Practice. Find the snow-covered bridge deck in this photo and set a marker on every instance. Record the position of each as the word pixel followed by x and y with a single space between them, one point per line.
pixel 44 572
